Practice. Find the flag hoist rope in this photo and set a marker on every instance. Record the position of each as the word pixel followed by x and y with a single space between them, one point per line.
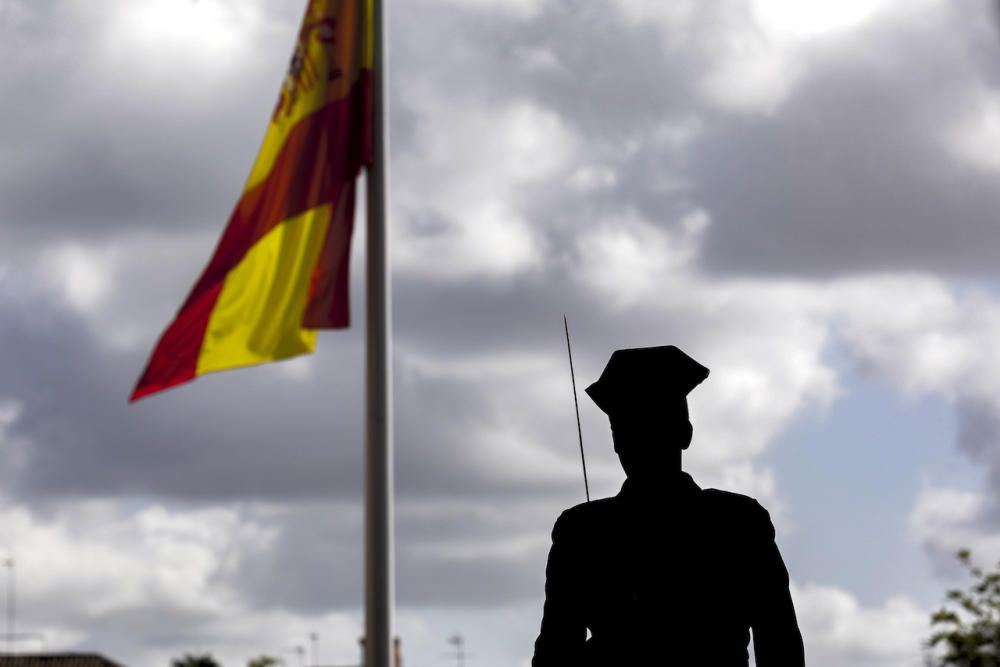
pixel 379 565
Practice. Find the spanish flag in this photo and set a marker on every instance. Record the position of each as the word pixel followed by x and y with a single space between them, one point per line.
pixel 280 270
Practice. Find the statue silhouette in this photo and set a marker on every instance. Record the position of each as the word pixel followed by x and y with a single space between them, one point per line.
pixel 664 573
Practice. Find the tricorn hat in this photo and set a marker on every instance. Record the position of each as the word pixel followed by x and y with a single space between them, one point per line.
pixel 645 376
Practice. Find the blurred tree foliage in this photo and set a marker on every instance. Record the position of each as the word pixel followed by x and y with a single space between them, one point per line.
pixel 263 661
pixel 195 661
pixel 967 628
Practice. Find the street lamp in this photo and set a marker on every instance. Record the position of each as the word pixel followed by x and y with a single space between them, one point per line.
pixel 314 644
pixel 301 651
pixel 459 643
pixel 11 604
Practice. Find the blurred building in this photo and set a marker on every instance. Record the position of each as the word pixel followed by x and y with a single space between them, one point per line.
pixel 56 660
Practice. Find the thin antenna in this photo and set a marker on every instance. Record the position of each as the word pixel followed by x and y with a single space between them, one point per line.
pixel 576 403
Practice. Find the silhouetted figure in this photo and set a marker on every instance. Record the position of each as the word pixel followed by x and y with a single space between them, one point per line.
pixel 665 573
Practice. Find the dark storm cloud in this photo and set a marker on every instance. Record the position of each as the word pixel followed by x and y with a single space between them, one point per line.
pixel 84 440
pixel 76 438
pixel 259 436
pixel 979 429
pixel 156 623
pixel 847 177
pixel 453 557
pixel 614 82
pixel 608 76
pixel 244 434
pixel 978 437
pixel 948 519
pixel 853 174
pixel 485 579
pixel 314 564
pixel 96 141
pixel 117 161
pixel 120 158
pixel 462 557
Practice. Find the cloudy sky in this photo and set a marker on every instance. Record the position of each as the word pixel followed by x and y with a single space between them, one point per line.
pixel 800 194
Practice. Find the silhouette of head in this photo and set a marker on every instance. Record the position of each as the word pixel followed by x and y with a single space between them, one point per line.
pixel 644 393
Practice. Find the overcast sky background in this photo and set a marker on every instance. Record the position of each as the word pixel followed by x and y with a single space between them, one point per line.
pixel 802 195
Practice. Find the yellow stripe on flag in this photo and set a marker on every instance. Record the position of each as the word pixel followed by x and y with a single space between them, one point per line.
pixel 257 315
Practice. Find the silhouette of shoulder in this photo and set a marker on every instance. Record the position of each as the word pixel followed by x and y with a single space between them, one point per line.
pixel 734 502
pixel 585 514
pixel 594 508
pixel 595 525
pixel 716 498
pixel 741 512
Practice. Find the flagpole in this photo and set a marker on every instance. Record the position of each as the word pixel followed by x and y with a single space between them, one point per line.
pixel 379 566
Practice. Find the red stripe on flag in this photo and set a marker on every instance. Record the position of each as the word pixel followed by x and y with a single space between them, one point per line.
pixel 329 291
pixel 175 360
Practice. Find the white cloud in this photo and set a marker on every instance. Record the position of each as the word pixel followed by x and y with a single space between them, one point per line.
pixel 508 443
pixel 813 18
pixel 753 74
pixel 538 59
pixel 491 241
pixel 298 369
pixel 97 561
pixel 15 448
pixel 770 366
pixel 946 520
pixel 460 191
pixel 118 287
pixel 82 275
pixel 520 8
pixel 751 70
pixel 675 19
pixel 922 334
pixel 479 148
pixel 199 39
pixel 96 568
pixel 973 138
pixel 839 631
pixel 630 260
pixel 765 341
pixel 513 453
pixel 9 412
pixel 593 177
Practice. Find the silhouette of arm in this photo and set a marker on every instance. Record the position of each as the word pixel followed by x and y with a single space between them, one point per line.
pixel 564 633
pixel 777 641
